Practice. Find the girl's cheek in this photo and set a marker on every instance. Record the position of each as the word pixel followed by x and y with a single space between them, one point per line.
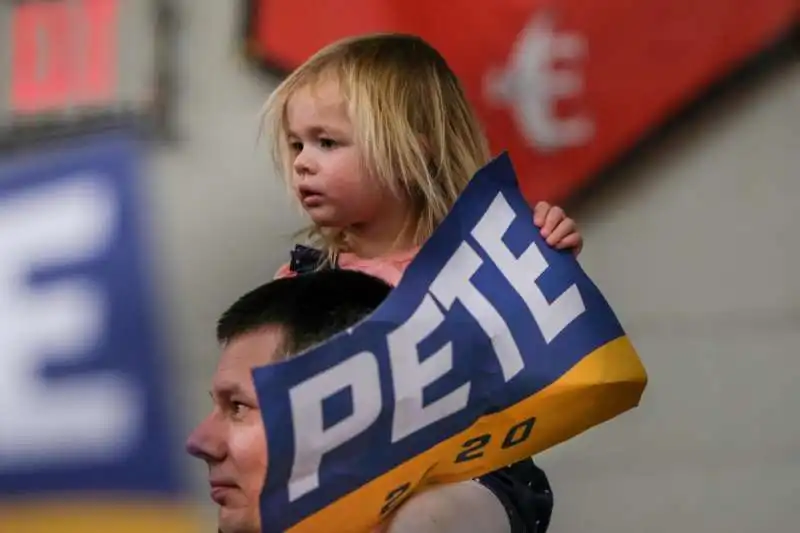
pixel 296 190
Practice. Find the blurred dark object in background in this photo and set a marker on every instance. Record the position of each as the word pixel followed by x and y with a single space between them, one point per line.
pixel 77 66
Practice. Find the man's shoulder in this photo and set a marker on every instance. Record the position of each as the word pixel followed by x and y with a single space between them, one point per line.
pixel 525 492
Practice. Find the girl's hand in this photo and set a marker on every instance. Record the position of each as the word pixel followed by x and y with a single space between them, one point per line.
pixel 560 231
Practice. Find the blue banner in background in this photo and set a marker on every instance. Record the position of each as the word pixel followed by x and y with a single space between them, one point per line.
pixel 83 410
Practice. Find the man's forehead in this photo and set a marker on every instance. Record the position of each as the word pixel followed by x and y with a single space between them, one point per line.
pixel 245 352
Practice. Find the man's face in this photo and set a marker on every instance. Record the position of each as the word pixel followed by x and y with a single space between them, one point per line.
pixel 231 439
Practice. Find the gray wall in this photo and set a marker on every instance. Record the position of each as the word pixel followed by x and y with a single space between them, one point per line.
pixel 696 251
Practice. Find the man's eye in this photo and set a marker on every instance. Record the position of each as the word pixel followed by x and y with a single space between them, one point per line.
pixel 239 408
pixel 327 143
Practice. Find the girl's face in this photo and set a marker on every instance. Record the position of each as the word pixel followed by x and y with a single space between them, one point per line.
pixel 328 177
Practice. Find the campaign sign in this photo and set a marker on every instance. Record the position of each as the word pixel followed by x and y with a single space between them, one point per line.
pixel 85 441
pixel 493 347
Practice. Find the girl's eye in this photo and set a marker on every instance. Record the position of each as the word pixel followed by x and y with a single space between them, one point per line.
pixel 296 146
pixel 327 143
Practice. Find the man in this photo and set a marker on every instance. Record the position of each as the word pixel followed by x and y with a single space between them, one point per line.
pixel 283 318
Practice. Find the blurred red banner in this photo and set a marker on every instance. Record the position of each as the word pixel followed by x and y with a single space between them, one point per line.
pixel 70 67
pixel 76 42
pixel 565 86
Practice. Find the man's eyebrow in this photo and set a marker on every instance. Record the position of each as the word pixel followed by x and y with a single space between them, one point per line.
pixel 226 389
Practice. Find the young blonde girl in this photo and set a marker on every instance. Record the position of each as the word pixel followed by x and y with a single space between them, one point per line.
pixel 376 140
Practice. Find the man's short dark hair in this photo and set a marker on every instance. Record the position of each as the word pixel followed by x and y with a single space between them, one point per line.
pixel 310 308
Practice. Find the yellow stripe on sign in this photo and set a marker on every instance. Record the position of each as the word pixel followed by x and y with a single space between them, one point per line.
pixel 602 385
pixel 46 516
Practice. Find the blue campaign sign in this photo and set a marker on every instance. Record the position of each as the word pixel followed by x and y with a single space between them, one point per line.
pixel 82 383
pixel 493 347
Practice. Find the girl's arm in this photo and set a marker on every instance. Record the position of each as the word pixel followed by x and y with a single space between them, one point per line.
pixel 465 506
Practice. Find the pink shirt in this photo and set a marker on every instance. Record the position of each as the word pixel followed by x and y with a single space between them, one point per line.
pixel 389 267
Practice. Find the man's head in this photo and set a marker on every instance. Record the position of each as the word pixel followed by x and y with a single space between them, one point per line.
pixel 267 325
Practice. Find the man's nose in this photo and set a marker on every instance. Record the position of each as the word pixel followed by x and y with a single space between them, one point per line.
pixel 207 442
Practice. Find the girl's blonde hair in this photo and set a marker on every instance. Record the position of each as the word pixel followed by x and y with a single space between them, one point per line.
pixel 415 129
